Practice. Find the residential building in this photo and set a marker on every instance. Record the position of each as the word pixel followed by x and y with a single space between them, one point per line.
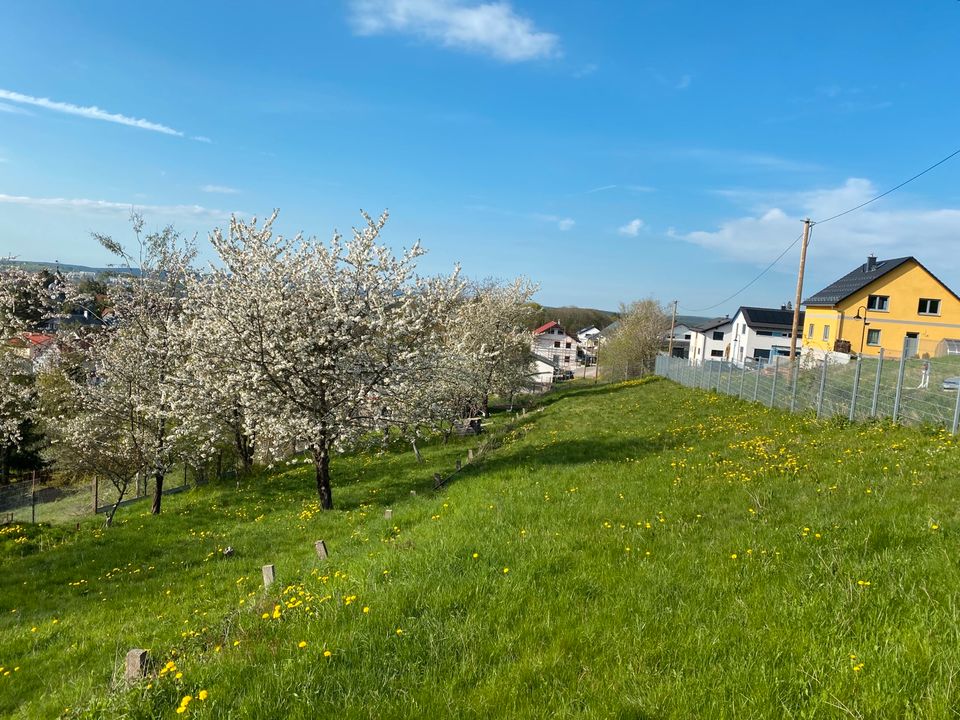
pixel 551 341
pixel 711 340
pixel 682 334
pixel 761 334
pixel 893 305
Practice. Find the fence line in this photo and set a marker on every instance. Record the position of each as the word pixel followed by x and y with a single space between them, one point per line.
pixel 863 388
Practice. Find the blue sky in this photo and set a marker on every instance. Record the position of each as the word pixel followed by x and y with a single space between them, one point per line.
pixel 608 151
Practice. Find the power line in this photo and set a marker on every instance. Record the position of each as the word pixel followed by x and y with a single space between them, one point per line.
pixel 820 222
pixel 762 273
pixel 893 189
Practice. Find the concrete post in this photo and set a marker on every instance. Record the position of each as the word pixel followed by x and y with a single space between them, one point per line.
pixel 776 374
pixel 900 373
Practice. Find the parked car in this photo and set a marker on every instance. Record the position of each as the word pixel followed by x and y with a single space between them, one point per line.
pixel 951 383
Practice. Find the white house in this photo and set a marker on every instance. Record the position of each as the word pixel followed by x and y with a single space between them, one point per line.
pixel 552 342
pixel 711 340
pixel 761 334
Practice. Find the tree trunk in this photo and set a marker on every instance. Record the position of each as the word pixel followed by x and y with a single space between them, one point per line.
pixel 113 511
pixel 244 449
pixel 157 492
pixel 321 461
pixel 416 451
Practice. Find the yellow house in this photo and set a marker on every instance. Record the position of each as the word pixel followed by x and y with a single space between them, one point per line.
pixel 894 304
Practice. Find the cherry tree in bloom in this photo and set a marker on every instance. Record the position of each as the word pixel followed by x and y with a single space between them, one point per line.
pixel 26 301
pixel 324 342
pixel 119 419
pixel 484 350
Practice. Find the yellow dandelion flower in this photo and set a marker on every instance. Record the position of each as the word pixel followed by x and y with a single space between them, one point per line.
pixel 399 631
pixel 506 570
pixel 302 644
pixel 327 653
pixel 366 610
pixel 203 695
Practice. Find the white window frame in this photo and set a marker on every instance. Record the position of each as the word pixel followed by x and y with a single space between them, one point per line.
pixel 873 330
pixel 883 300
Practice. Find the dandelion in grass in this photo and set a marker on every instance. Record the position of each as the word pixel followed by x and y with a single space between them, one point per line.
pixel 506 570
pixel 476 555
pixel 327 653
pixel 399 632
pixel 733 556
pixel 302 644
pixel 203 695
pixel 863 583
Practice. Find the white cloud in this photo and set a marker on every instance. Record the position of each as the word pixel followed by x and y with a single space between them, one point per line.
pixel 222 189
pixel 775 219
pixel 630 188
pixel 91 112
pixel 491 28
pixel 109 207
pixel 744 159
pixel 632 228
pixel 201 138
pixel 566 224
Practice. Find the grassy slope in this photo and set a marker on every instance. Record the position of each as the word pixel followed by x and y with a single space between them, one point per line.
pixel 618 512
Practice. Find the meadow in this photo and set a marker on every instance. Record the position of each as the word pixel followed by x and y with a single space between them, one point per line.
pixel 639 550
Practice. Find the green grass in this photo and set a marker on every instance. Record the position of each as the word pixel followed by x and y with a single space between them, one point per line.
pixel 672 553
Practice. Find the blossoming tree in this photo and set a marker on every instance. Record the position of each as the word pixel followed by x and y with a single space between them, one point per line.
pixel 326 341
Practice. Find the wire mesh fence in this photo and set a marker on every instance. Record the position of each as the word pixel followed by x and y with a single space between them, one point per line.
pixel 917 385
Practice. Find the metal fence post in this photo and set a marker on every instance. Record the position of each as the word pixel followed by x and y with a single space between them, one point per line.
pixel 776 372
pixel 876 386
pixel 956 412
pixel 793 390
pixel 900 373
pixel 823 387
pixel 743 373
pixel 856 388
pixel 756 385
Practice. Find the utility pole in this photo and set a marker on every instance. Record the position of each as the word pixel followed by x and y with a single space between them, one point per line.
pixel 796 305
pixel 673 325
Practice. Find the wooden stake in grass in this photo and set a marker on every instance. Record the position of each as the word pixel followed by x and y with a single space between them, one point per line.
pixel 388 514
pixel 321 547
pixel 269 575
pixel 469 454
pixel 437 480
pixel 136 665
pixel 413 492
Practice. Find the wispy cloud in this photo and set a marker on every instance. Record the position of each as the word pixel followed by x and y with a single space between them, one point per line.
pixel 632 228
pixel 201 138
pixel 744 159
pixel 13 109
pixel 490 28
pixel 774 219
pixel 563 223
pixel 629 188
pixel 588 69
pixel 110 207
pixel 91 112
pixel 222 189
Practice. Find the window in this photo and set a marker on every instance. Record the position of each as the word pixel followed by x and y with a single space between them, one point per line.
pixel 566 358
pixel 826 332
pixel 718 335
pixel 556 343
pixel 743 329
pixel 929 307
pixel 878 302
pixel 873 337
pixel 716 353
pixel 568 346
pixel 810 331
pixel 741 353
pixel 687 336
pixel 765 333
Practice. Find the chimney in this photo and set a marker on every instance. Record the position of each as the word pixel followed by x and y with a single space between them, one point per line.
pixel 871 262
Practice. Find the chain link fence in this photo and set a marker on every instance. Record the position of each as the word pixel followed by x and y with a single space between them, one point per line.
pixel 920 384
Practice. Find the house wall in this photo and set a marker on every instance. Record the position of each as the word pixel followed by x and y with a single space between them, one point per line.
pixel 747 340
pixel 905 286
pixel 703 346
pixel 544 345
